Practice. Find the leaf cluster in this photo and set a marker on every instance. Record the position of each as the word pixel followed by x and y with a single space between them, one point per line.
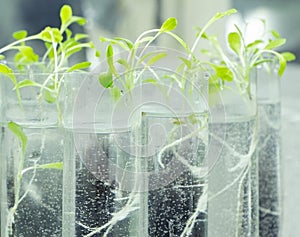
pixel 60 44
pixel 139 58
pixel 245 57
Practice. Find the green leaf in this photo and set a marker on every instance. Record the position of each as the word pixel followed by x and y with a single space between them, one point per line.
pixel 49 97
pixel 79 20
pixel 78 37
pixel 127 45
pixel 156 58
pixel 79 66
pixel 150 80
pixel 110 59
pixel 56 165
pixel 234 41
pixel 68 34
pixel 288 56
pixel 275 34
pixel 26 55
pixel 20 34
pixel 106 79
pixel 127 41
pixel 2 57
pixel 223 72
pixel 187 62
pixel 275 43
pixel 254 44
pixel 123 62
pixel 26 83
pixel 281 60
pixel 51 35
pixel 8 72
pixel 65 14
pixel 116 93
pixel 97 54
pixel 19 133
pixel 169 24
pixel 220 15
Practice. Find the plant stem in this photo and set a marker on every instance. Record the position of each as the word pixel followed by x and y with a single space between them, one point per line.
pixel 11 45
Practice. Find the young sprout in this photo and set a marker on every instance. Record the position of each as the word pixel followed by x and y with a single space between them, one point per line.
pixel 138 59
pixel 60 44
pixel 21 137
pixel 245 57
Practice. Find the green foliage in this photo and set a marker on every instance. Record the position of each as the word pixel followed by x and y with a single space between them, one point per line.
pixel 245 58
pixel 18 35
pixel 60 44
pixel 106 79
pixel 140 57
pixel 19 133
pixel 169 25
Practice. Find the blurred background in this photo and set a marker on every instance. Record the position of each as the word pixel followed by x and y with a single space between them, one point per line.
pixel 128 18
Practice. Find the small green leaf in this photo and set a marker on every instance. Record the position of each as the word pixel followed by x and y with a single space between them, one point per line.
pixel 281 60
pixel 223 72
pixel 56 165
pixel 123 62
pixel 2 57
pixel 79 66
pixel 49 96
pixel 20 34
pixel 97 54
pixel 68 34
pixel 150 80
pixel 106 79
pixel 123 43
pixel 275 34
pixel 254 44
pixel 26 83
pixel 65 14
pixel 220 15
pixel 78 37
pixel 156 58
pixel 187 62
pixel 116 93
pixel 110 59
pixel 234 41
pixel 8 72
pixel 19 133
pixel 79 20
pixel 127 41
pixel 275 43
pixel 51 35
pixel 169 24
pixel 25 55
pixel 288 56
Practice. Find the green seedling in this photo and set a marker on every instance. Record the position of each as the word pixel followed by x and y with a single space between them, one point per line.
pixel 245 58
pixel 60 44
pixel 138 60
pixel 20 135
pixel 126 71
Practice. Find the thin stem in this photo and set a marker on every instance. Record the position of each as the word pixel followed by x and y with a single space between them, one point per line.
pixel 9 46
